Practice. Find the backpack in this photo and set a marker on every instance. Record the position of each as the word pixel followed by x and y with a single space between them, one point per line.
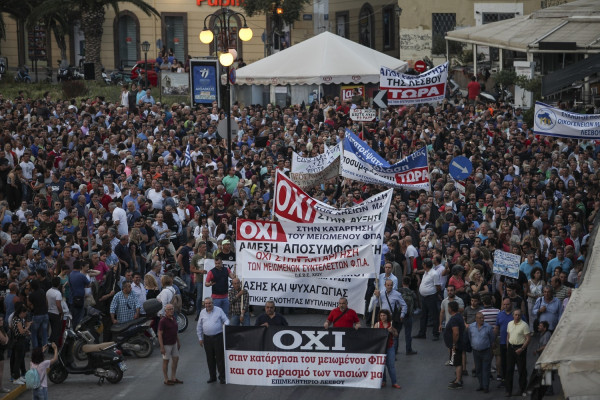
pixel 176 301
pixel 409 298
pixel 32 379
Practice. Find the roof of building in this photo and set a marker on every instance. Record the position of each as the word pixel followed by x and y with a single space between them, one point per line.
pixel 576 22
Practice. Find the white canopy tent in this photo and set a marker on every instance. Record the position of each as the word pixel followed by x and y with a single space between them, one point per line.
pixel 321 60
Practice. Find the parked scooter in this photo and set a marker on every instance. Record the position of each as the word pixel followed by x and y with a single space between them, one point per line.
pixel 104 360
pixel 188 299
pixel 22 75
pixel 136 336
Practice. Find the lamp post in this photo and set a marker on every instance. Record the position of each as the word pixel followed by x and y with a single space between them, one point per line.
pixel 145 49
pixel 226 56
pixel 398 11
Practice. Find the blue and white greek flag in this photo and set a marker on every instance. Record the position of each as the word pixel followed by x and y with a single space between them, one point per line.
pixel 187 157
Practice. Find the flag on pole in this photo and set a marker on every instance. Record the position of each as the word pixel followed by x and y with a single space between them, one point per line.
pixel 187 158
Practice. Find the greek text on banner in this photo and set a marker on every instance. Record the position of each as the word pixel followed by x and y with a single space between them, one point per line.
pixel 311 171
pixel 294 204
pixel 292 356
pixel 403 89
pixel 361 163
pixel 551 121
pixel 259 264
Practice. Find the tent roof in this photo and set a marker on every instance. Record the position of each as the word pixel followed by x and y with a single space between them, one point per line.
pixel 323 59
pixel 578 22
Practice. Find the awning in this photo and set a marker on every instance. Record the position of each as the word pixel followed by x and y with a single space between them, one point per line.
pixel 576 22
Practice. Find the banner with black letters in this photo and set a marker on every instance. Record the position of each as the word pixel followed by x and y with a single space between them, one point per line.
pixel 304 356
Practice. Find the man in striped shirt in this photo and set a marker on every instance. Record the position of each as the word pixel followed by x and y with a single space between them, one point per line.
pixel 489 316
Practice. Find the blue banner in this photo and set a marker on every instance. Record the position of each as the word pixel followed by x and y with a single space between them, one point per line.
pixel 205 81
pixel 361 163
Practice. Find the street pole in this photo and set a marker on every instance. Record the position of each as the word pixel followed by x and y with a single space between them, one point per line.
pixel 146 68
pixel 228 116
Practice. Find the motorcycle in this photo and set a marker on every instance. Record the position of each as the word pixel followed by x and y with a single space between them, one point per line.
pixel 136 336
pixel 188 299
pixel 68 73
pixel 22 75
pixel 104 360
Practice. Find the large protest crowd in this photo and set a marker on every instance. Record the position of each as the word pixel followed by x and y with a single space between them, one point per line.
pixel 124 168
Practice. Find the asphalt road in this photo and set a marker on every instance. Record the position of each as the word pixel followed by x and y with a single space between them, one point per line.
pixel 420 376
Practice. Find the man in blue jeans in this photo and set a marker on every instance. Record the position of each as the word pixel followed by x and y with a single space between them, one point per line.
pixel 39 325
pixel 77 282
pixel 410 299
pixel 218 279
pixel 482 337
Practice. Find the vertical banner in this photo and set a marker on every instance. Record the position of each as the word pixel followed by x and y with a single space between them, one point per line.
pixel 303 356
pixel 403 89
pixel 205 83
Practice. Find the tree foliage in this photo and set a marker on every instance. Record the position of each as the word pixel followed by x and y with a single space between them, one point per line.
pixel 505 77
pixel 291 8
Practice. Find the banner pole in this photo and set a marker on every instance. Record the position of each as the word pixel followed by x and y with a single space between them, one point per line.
pixel 242 302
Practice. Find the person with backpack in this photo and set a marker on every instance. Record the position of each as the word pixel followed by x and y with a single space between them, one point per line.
pixel 168 295
pixel 36 378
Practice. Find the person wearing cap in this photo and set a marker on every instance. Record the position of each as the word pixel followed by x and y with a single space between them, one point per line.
pixel 37 263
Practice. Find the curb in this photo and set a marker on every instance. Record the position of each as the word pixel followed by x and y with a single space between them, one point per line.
pixel 15 393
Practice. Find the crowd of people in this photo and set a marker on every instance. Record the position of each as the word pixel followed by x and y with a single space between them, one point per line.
pixel 95 194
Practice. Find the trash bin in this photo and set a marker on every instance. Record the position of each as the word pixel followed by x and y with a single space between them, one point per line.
pixel 88 71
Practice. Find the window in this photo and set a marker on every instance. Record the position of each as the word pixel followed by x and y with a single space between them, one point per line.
pixel 342 19
pixel 389 33
pixel 366 26
pixel 127 38
pixel 495 17
pixel 174 33
pixel 441 23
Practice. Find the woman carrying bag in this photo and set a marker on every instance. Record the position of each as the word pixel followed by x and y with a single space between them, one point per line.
pixel 385 322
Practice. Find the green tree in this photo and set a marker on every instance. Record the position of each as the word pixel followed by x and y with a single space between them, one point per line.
pixel 91 14
pixel 291 8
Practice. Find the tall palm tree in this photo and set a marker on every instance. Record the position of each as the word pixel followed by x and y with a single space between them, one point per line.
pixel 92 14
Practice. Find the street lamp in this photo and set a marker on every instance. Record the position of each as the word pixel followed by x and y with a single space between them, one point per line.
pixel 226 56
pixel 398 11
pixel 145 49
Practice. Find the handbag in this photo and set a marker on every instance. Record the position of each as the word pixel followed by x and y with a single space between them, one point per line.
pixel 396 313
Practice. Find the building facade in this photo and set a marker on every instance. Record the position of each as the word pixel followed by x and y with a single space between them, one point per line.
pixel 406 30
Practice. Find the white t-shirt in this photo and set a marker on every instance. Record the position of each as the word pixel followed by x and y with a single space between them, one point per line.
pixel 165 297
pixel 120 215
pixel 52 295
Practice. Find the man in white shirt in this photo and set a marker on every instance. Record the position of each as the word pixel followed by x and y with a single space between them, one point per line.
pixel 210 335
pixel 119 217
pixel 410 254
pixel 429 288
pixel 137 287
pixel 55 310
